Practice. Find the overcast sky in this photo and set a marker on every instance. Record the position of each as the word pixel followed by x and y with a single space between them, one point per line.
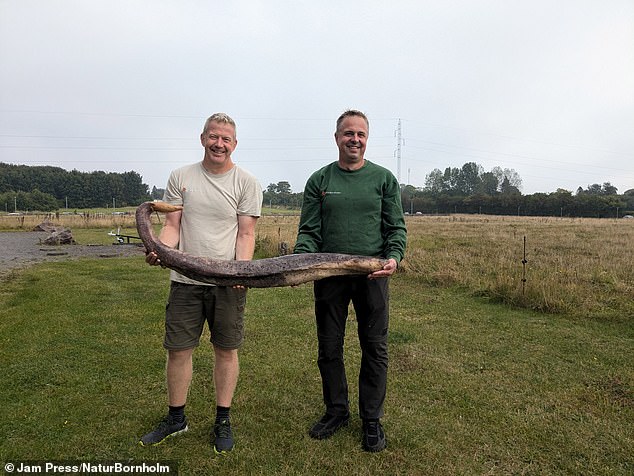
pixel 544 87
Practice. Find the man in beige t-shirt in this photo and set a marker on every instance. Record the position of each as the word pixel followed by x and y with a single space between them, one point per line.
pixel 221 204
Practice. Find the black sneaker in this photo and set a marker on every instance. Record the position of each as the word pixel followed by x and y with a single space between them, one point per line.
pixel 327 426
pixel 223 437
pixel 164 430
pixel 373 436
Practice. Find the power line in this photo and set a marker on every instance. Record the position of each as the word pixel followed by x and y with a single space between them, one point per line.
pixel 399 141
pixel 316 119
pixel 502 153
pixel 525 139
pixel 192 138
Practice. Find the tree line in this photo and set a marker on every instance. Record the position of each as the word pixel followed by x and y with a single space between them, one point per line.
pixel 467 189
pixel 46 188
pixel 471 189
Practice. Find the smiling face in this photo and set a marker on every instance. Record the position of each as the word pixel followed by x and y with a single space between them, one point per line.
pixel 351 137
pixel 219 141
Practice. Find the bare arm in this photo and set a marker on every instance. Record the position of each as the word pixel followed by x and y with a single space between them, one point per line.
pixel 245 242
pixel 169 235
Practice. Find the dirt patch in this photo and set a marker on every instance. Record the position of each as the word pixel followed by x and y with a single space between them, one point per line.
pixel 20 249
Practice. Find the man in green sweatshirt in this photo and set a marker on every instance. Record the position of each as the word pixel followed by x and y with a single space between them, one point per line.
pixel 353 206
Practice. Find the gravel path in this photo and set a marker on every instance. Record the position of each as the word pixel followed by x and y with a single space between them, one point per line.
pixel 20 249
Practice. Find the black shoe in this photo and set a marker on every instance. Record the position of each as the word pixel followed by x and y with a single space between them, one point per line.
pixel 164 430
pixel 327 426
pixel 373 436
pixel 223 437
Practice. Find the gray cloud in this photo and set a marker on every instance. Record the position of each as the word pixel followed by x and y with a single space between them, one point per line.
pixel 545 88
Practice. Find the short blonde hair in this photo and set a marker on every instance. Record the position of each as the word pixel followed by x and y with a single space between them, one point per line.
pixel 221 118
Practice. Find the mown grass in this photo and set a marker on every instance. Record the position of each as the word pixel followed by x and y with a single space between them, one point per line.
pixel 475 387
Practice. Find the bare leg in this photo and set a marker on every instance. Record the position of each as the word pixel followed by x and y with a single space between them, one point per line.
pixel 226 372
pixel 179 375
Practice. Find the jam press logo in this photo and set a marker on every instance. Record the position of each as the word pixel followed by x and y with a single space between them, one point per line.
pixel 325 192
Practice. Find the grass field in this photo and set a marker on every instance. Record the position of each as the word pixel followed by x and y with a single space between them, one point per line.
pixel 482 381
pixel 582 267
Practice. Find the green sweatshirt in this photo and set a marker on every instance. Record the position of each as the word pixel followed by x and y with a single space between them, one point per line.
pixel 354 212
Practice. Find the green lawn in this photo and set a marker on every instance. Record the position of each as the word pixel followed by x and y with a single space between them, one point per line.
pixel 474 387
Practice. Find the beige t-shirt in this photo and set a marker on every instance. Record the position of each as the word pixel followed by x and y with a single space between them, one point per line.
pixel 211 205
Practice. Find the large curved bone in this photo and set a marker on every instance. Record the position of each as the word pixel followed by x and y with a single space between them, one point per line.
pixel 287 270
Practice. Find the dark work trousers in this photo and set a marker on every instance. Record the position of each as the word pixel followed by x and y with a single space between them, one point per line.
pixel 370 298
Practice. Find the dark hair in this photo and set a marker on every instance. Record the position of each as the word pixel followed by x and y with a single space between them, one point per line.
pixel 351 113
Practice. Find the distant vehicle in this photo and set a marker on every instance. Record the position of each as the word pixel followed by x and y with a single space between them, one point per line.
pixel 628 216
pixel 15 214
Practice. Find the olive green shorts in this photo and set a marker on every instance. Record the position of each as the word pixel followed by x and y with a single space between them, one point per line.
pixel 189 306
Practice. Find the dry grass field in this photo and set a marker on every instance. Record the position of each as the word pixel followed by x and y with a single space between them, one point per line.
pixel 582 267
pixel 70 220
